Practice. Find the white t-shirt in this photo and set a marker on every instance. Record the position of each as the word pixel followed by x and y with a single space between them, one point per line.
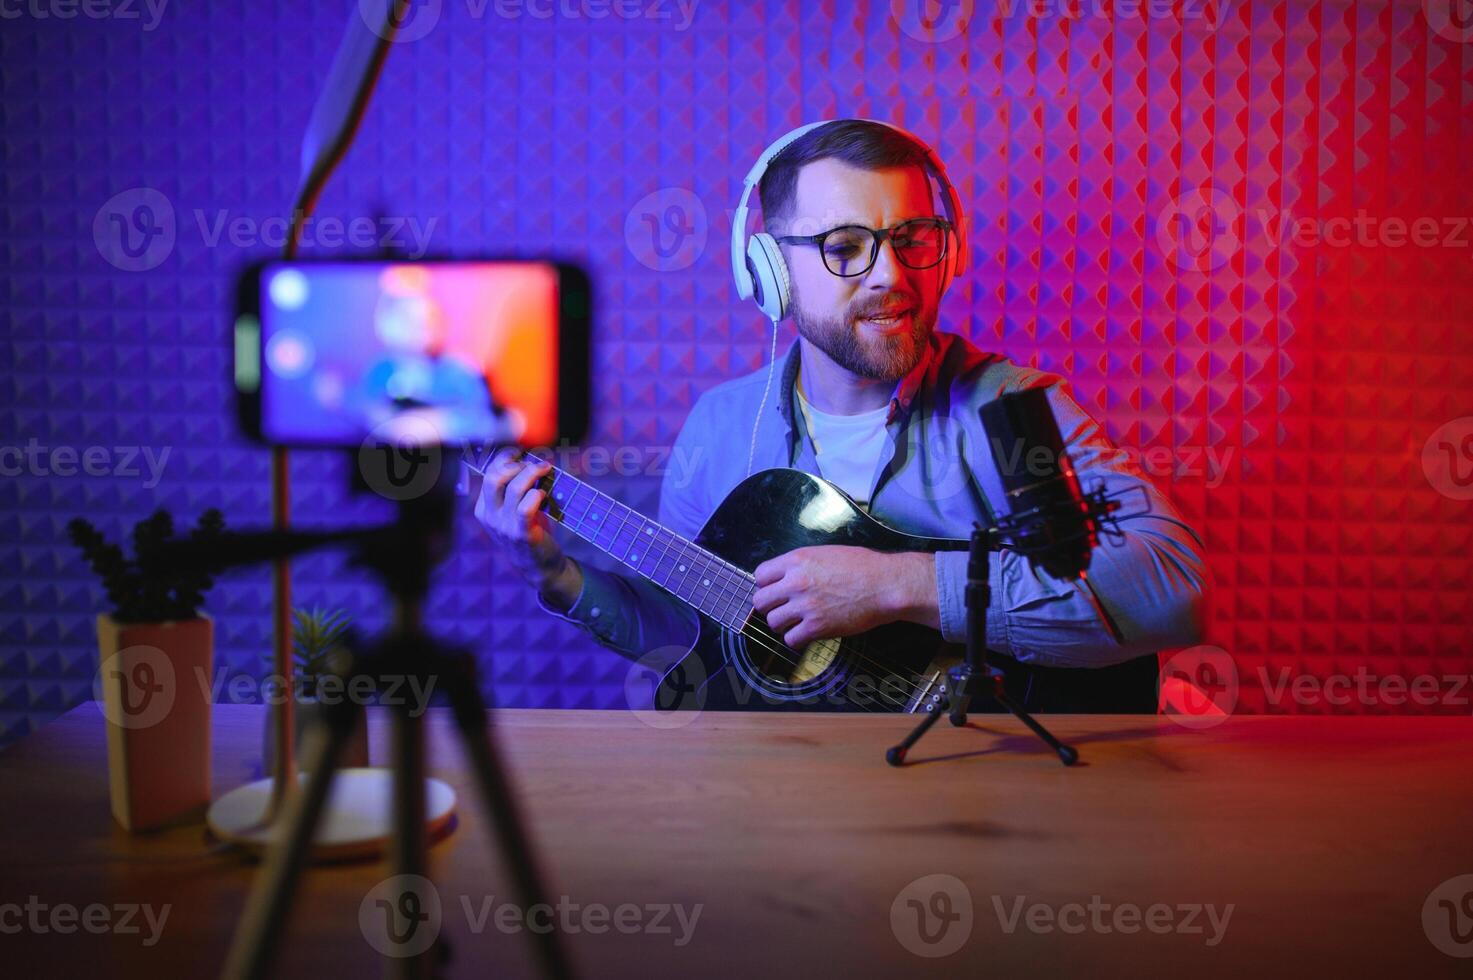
pixel 847 446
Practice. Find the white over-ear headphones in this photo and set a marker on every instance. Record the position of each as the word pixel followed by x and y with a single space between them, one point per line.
pixel 757 264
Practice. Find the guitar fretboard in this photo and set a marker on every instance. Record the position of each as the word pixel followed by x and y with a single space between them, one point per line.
pixel 688 571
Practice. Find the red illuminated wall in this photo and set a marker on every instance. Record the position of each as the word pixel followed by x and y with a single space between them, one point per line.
pixel 1254 242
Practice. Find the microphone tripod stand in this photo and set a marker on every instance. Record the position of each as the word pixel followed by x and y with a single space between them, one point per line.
pixel 974 672
pixel 403 555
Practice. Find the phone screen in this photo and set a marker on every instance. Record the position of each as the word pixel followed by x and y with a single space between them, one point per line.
pixel 450 352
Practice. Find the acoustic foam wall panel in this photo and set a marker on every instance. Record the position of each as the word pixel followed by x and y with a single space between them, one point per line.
pixel 1190 216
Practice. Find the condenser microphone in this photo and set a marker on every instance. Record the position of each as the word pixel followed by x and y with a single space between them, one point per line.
pixel 1048 517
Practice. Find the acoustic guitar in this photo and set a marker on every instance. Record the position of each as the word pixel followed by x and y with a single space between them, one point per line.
pixel 738 661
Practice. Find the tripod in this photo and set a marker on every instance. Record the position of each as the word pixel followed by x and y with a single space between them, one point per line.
pixel 965 678
pixel 403 555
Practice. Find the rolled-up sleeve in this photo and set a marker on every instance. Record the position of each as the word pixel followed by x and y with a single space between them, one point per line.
pixel 1149 576
pixel 631 616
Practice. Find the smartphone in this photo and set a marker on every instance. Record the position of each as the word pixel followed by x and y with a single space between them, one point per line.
pixel 330 353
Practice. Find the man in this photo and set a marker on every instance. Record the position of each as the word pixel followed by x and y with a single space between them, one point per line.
pixel 874 399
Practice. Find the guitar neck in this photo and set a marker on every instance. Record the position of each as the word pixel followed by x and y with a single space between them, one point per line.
pixel 686 570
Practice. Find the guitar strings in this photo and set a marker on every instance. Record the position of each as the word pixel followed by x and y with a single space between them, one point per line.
pixel 766 640
pixel 857 646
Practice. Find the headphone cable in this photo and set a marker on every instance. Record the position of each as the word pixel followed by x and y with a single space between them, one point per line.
pixel 771 368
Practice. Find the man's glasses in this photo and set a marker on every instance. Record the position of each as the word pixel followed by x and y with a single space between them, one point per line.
pixel 851 250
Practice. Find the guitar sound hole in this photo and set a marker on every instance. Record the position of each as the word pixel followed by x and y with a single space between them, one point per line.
pixel 783 667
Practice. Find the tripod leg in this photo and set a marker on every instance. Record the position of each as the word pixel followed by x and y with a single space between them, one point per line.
pixel 501 809
pixel 895 755
pixel 1067 754
pixel 265 915
pixel 408 853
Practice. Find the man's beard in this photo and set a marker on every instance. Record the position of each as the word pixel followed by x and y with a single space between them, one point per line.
pixel 877 358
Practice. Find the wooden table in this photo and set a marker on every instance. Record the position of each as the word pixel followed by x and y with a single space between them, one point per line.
pixel 1325 835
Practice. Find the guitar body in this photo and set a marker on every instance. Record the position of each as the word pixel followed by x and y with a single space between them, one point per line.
pixel 894 667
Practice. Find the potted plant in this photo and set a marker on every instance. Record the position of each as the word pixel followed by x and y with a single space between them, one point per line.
pixel 156 651
pixel 318 639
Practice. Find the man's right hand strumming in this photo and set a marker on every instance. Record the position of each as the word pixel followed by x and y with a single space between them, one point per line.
pixel 509 507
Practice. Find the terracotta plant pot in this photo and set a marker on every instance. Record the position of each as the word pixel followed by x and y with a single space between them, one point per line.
pixel 153 686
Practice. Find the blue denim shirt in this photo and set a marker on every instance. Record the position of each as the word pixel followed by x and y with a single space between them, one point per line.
pixel 935 477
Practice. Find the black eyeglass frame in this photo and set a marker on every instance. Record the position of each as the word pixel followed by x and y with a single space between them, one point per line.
pixel 877 236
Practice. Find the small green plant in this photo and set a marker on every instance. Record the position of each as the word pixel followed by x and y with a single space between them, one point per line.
pixel 147 588
pixel 317 634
